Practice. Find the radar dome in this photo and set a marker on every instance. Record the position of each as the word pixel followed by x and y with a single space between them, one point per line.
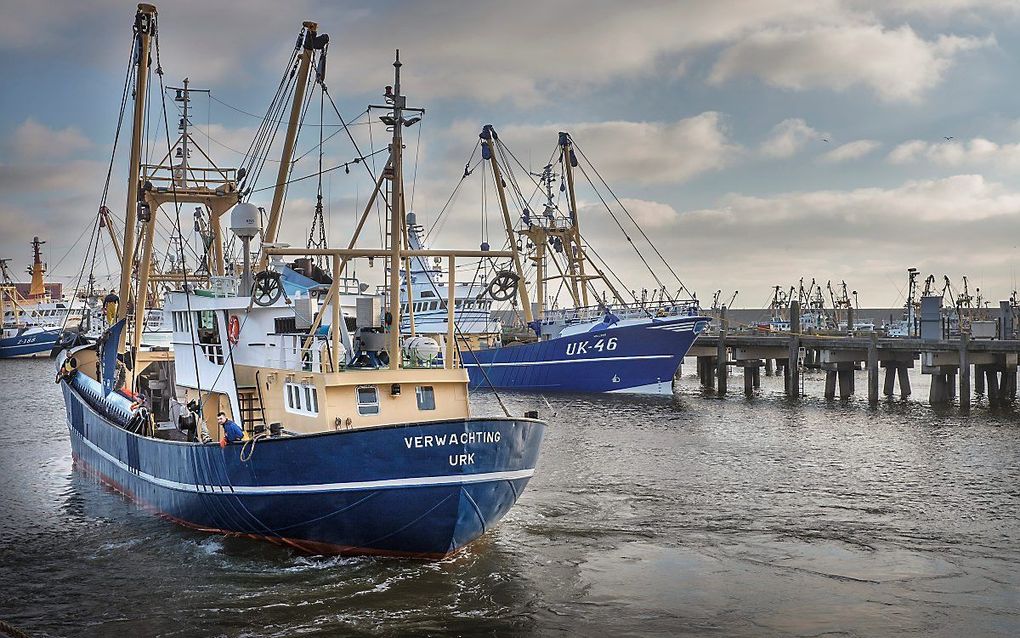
pixel 244 220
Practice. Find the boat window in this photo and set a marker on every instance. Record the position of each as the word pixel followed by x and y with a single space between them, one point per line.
pixel 368 400
pixel 206 320
pixel 427 293
pixel 302 399
pixel 209 336
pixel 426 398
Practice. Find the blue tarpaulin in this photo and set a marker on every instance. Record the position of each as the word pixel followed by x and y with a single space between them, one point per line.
pixel 108 347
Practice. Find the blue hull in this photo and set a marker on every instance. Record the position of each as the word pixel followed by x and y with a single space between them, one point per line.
pixel 31 345
pixel 631 358
pixel 422 490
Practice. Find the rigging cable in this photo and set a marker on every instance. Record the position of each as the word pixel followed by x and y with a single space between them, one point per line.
pixel 641 230
pixel 177 225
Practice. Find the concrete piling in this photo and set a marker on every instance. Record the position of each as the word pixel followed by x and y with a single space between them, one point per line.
pixel 830 385
pixel 793 370
pixel 992 383
pixel 890 380
pixel 721 358
pixel 845 378
pixel 904 378
pixel 964 373
pixel 872 368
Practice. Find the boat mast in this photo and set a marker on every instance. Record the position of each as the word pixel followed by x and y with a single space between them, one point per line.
pixel 489 138
pixel 144 21
pixel 575 253
pixel 396 216
pixel 38 289
pixel 307 50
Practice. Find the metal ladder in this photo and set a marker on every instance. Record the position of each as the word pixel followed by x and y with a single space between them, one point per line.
pixel 252 412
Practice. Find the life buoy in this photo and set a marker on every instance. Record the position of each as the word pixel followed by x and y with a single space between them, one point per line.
pixel 233 330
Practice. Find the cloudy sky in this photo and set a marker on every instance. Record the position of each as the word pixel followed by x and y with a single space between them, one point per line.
pixel 756 141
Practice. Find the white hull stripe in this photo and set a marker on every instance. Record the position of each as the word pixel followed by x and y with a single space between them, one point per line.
pixel 422 481
pixel 548 363
pixel 674 327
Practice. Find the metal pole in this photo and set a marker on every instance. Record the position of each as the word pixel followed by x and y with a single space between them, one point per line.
pixel 793 369
pixel 143 22
pixel 720 356
pixel 522 288
pixel 576 261
pixel 144 266
pixel 273 225
pixel 396 216
pixel 336 318
pixel 451 326
pixel 872 368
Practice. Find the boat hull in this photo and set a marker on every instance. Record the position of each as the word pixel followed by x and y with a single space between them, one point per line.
pixel 640 358
pixel 422 490
pixel 33 342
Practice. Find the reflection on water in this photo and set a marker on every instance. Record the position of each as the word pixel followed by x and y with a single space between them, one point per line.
pixel 648 516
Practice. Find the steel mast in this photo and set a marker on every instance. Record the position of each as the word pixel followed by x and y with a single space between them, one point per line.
pixel 308 45
pixel 144 27
pixel 396 215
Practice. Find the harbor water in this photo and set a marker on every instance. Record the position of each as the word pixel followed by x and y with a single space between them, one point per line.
pixel 684 515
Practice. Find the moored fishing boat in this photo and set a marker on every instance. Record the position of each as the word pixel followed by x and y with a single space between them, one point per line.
pixel 600 342
pixel 33 317
pixel 348 447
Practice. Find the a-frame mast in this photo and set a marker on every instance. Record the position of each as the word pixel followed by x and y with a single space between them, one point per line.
pixel 489 139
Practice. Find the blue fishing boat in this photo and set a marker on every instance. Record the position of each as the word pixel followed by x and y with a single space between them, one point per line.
pixel 420 489
pixel 600 341
pixel 31 320
pixel 32 341
pixel 312 431
pixel 640 356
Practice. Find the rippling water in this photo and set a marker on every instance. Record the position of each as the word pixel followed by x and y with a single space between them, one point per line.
pixel 648 516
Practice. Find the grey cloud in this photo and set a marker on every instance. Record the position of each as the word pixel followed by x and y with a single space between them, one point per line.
pixel 896 64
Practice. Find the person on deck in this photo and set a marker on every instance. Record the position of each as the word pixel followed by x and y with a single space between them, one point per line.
pixel 232 432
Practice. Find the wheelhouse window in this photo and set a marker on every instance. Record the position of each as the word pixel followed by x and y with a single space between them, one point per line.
pixel 301 399
pixel 368 400
pixel 426 398
pixel 209 336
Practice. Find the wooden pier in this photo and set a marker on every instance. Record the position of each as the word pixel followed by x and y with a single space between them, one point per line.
pixel 952 363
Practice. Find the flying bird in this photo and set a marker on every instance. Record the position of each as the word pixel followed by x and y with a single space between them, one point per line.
pixel 825 140
pixel 948 137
